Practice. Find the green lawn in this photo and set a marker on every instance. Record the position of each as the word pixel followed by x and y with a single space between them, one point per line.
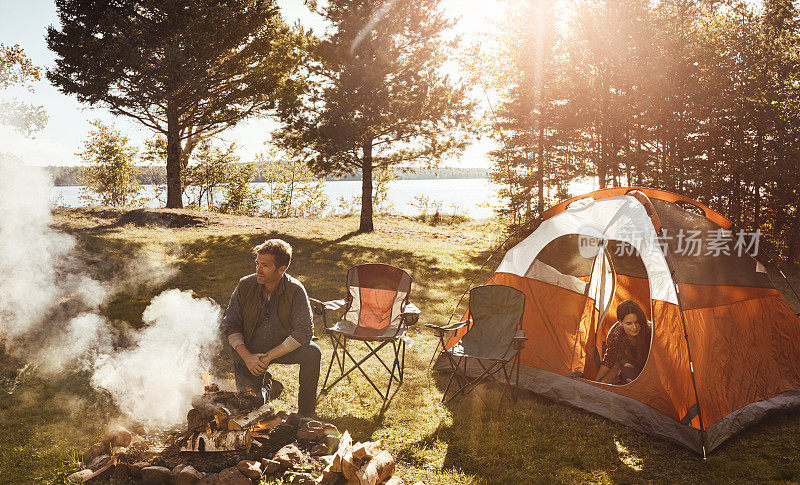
pixel 43 424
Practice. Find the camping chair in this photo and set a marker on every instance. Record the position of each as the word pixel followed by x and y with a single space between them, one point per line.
pixel 494 339
pixel 377 313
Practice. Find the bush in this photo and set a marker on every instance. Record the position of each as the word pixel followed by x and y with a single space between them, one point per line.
pixel 110 178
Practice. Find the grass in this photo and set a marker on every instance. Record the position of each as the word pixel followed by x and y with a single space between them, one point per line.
pixel 44 424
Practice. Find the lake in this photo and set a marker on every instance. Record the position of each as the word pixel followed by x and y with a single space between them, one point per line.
pixel 474 198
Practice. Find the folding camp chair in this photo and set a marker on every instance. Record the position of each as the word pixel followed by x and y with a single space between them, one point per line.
pixel 494 339
pixel 376 312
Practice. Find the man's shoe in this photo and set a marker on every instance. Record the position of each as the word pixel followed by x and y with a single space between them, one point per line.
pixel 275 389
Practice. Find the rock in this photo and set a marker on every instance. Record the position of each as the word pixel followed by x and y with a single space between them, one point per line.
pixel 293 419
pixel 283 434
pixel 330 429
pixel 156 474
pixel 137 428
pixel 188 476
pixel 311 431
pixel 296 478
pixel 288 455
pixel 232 476
pixel 99 462
pixel 250 469
pixel 270 466
pixel 121 473
pixel 135 470
pixel 94 451
pixel 329 443
pixel 177 469
pixel 395 480
pixel 78 477
pixel 320 449
pixel 118 436
pixel 209 479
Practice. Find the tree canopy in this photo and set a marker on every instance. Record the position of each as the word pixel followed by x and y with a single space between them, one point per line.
pixel 691 96
pixel 183 68
pixel 16 69
pixel 375 92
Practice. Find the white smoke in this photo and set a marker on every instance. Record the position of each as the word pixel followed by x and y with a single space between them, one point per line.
pixel 154 380
pixel 150 268
pixel 50 309
pixel 30 251
pixel 85 337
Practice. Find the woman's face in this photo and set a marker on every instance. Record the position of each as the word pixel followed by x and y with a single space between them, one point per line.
pixel 631 325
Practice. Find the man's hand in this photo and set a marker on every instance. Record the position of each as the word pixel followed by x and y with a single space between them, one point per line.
pixel 255 365
pixel 265 359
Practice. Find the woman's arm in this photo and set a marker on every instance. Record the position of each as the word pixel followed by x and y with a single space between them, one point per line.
pixel 605 374
pixel 601 373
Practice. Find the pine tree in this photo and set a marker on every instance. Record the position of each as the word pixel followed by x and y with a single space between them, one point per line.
pixel 183 68
pixel 375 95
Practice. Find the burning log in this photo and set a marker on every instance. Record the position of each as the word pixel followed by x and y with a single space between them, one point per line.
pixel 219 441
pixel 251 419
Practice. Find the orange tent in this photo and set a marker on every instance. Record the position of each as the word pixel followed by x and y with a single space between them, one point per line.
pixel 725 346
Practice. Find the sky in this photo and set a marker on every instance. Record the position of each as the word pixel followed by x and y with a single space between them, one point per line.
pixel 24 22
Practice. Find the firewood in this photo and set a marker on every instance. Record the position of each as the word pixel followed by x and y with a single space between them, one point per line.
pixel 365 451
pixel 196 419
pixel 244 421
pixel 350 465
pixel 219 441
pixel 221 417
pixel 344 446
pixel 265 425
pixel 377 470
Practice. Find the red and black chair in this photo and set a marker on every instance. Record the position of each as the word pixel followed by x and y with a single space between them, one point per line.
pixel 376 312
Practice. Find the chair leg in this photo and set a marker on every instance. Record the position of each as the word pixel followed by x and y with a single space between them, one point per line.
pixel 357 365
pixel 398 347
pixel 334 355
pixel 454 366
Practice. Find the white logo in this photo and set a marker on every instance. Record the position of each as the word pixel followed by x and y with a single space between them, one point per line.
pixel 590 241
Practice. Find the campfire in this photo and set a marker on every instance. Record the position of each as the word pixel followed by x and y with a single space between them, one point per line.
pixel 230 439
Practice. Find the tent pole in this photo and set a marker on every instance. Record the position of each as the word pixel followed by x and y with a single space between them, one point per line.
pixel 651 211
pixel 771 260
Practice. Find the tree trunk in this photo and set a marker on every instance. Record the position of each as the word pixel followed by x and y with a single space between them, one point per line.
pixel 366 189
pixel 174 192
pixel 540 170
pixel 794 239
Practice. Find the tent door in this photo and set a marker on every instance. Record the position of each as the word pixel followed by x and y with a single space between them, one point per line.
pixel 599 295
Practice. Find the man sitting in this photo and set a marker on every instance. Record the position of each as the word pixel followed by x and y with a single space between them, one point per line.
pixel 269 320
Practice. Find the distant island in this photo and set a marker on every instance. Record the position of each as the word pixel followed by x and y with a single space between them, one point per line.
pixel 66 176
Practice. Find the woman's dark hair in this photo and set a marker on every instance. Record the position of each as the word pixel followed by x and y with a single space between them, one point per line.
pixel 629 306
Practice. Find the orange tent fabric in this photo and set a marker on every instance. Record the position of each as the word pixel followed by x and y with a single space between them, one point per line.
pixel 725 346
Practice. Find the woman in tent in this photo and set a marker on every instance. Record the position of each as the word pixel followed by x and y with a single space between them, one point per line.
pixel 627 345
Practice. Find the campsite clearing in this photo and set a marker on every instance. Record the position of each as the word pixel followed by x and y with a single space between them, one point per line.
pixel 43 423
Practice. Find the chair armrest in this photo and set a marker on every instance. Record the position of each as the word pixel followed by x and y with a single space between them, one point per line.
pixel 317 306
pixel 411 314
pixel 320 307
pixel 446 328
pixel 519 339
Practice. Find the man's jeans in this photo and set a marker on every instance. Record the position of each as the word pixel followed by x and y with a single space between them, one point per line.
pixel 308 356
